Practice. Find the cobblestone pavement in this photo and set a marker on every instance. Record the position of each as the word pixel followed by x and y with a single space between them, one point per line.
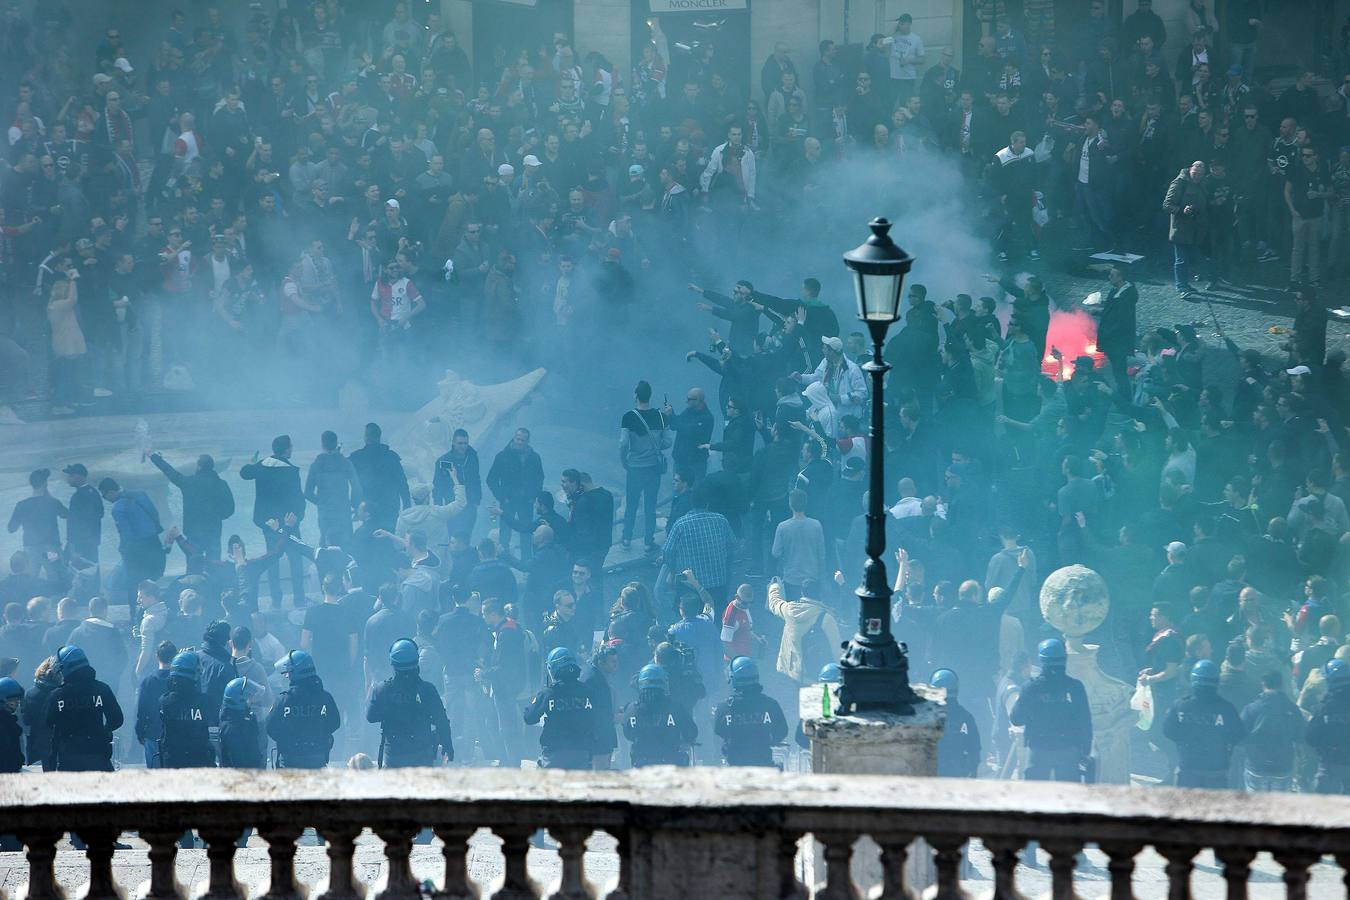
pixel 132 868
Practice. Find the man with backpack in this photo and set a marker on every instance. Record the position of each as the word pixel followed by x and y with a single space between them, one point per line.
pixel 644 439
pixel 810 631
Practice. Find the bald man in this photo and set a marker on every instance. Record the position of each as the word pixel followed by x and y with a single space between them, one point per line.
pixel 693 427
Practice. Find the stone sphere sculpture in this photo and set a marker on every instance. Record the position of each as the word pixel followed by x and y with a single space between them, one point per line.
pixel 1075 601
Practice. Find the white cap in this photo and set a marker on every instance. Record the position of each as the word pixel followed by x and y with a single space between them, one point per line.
pixel 833 343
pixel 100 78
pixel 1176 548
pixel 505 170
pixel 1298 370
pixel 124 64
pixel 391 203
pixel 532 160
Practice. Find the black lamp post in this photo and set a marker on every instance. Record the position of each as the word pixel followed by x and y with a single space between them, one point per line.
pixel 875 668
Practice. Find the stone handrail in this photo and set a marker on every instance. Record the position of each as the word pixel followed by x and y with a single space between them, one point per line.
pixel 686 833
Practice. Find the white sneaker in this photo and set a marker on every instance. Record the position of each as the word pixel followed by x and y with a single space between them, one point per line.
pixel 102 392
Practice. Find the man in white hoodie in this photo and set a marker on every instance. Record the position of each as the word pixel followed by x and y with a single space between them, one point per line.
pixel 429 517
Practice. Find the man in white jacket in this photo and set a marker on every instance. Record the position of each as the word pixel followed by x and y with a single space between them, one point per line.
pixel 731 169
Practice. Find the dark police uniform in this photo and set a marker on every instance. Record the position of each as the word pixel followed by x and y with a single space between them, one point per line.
pixel 412 719
pixel 11 742
pixel 302 725
pixel 1205 727
pixel 659 731
pixel 749 723
pixel 83 713
pixel 240 740
pixel 1053 709
pixel 185 742
pixel 572 732
pixel 958 753
pixel 1329 734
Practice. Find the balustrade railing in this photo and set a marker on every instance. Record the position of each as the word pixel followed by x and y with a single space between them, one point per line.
pixel 693 834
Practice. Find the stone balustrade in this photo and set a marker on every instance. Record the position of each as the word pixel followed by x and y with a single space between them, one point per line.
pixel 694 834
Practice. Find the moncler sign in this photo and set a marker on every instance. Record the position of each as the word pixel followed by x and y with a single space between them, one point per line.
pixel 668 6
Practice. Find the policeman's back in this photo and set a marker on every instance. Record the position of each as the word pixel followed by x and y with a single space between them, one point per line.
pixel 304 718
pixel 749 722
pixel 571 735
pixel 409 711
pixel 660 731
pixel 959 749
pixel 184 741
pixel 1205 727
pixel 83 713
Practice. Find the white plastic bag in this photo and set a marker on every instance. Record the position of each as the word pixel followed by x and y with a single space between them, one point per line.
pixel 1142 702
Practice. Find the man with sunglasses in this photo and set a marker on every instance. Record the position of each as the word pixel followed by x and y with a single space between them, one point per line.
pixel 1306 192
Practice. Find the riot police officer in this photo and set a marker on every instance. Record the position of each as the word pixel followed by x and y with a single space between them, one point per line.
pixel 304 718
pixel 414 728
pixel 83 713
pixel 749 722
pixel 1205 727
pixel 186 741
pixel 241 744
pixel 571 735
pixel 660 731
pixel 11 732
pixel 1057 721
pixel 958 753
pixel 1329 731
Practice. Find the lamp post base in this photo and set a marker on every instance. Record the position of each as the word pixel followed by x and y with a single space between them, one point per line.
pixel 876 678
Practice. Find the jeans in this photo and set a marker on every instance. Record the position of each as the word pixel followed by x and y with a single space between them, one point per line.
pixel 642 483
pixel 1181 266
pixel 1094 206
pixel 274 570
pixel 1256 784
pixel 1307 247
pixel 335 526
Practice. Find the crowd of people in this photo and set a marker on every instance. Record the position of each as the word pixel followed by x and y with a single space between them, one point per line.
pixel 372 203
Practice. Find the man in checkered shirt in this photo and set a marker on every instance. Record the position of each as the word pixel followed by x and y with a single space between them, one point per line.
pixel 702 541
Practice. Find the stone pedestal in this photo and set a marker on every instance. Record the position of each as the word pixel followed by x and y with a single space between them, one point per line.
pixel 1112 718
pixel 876 743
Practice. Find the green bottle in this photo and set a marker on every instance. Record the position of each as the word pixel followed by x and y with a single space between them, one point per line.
pixel 825 712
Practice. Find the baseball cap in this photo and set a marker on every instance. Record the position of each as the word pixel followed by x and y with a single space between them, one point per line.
pixel 1176 548
pixel 833 343
pixel 505 170
pixel 1298 370
pixel 76 469
pixel 391 203
pixel 100 78
pixel 635 170
pixel 124 64
pixel 531 161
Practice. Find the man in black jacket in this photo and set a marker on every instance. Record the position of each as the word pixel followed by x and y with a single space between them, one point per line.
pixel 207 502
pixel 278 495
pixel 592 525
pixel 464 460
pixel 84 525
pixel 693 427
pixel 515 479
pixel 384 484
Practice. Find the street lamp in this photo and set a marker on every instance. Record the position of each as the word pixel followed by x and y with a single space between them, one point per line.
pixel 875 668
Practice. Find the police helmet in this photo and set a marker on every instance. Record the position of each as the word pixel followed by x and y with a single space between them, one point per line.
pixel 830 674
pixel 744 672
pixel 71 659
pixel 297 664
pixel 185 665
pixel 237 693
pixel 946 678
pixel 403 655
pixel 1205 674
pixel 10 690
pixel 562 664
pixel 1337 674
pixel 1052 653
pixel 653 677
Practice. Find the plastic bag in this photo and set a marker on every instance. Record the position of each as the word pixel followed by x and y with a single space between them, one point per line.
pixel 1142 702
pixel 1044 148
pixel 1039 214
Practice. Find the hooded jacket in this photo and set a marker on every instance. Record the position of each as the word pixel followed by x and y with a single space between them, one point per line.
pixel 332 484
pixel 383 481
pixel 428 517
pixel 278 489
pixel 799 617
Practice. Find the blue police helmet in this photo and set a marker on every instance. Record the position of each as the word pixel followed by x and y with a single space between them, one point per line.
pixel 1052 653
pixel 185 665
pixel 744 672
pixel 297 664
pixel 71 659
pixel 946 678
pixel 1337 674
pixel 237 693
pixel 830 674
pixel 1205 674
pixel 562 664
pixel 10 690
pixel 403 655
pixel 654 677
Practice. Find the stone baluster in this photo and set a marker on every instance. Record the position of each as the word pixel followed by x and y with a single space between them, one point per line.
pixel 572 852
pixel 1063 859
pixel 220 847
pixel 894 860
pixel 42 865
pixel 838 859
pixel 1237 869
pixel 342 882
pixel 630 843
pixel 281 849
pixel 790 887
pixel 1296 863
pixel 1178 870
pixel 947 857
pixel 163 857
pixel 457 885
pixel 516 883
pixel 1120 863
pixel 399 883
pixel 100 844
pixel 1004 851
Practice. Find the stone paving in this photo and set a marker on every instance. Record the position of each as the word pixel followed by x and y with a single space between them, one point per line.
pixel 132 868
